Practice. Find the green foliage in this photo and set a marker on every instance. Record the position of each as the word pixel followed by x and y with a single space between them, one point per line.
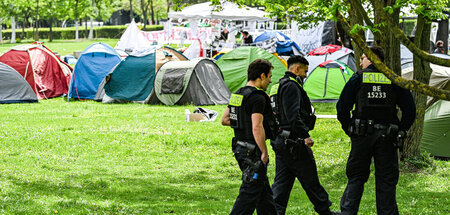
pixel 421 161
pixel 61 157
pixel 69 33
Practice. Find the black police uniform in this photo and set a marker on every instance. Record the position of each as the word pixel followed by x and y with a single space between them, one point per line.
pixel 373 131
pixel 255 190
pixel 292 108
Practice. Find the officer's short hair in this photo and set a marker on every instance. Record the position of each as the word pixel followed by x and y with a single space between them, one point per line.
pixel 297 59
pixel 378 51
pixel 258 67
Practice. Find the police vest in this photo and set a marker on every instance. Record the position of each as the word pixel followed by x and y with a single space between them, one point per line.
pixel 306 113
pixel 376 99
pixel 241 122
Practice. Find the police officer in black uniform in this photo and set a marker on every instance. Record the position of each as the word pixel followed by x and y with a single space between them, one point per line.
pixel 375 131
pixel 294 157
pixel 250 115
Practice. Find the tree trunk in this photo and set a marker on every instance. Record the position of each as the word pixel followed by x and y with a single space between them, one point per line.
pixel 85 27
pixel 422 73
pixel 76 30
pixel 22 35
pixel 388 42
pixel 50 33
pixel 36 33
pixel 13 29
pixel 442 33
pixel 354 19
pixel 1 27
pixel 131 10
pixel 152 8
pixel 144 12
pixel 91 29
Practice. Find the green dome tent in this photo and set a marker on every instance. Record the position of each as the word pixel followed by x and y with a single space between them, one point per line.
pixel 327 80
pixel 234 66
pixel 436 129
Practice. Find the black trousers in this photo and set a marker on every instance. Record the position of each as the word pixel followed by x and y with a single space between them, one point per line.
pixel 256 194
pixel 305 170
pixel 358 170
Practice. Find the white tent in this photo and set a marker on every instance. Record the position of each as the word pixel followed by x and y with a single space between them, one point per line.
pixel 230 11
pixel 132 39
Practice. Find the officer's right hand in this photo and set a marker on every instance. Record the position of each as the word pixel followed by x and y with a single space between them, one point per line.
pixel 265 158
pixel 309 142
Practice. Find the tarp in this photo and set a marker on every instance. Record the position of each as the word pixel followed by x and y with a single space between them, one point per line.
pixel 283 44
pixel 165 54
pixel 132 79
pixel 47 75
pixel 13 88
pixel 308 39
pixel 436 129
pixel 234 66
pixel 226 10
pixel 197 82
pixel 132 39
pixel 343 55
pixel 439 78
pixel 95 62
pixel 326 81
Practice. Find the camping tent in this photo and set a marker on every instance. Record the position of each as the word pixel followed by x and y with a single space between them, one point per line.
pixel 440 76
pixel 327 80
pixel 197 82
pixel 95 62
pixel 165 54
pixel 228 11
pixel 131 80
pixel 13 88
pixel 331 52
pixel 47 75
pixel 274 39
pixel 436 129
pixel 234 65
pixel 132 39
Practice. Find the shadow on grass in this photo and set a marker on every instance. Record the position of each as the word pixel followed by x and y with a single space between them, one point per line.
pixel 107 193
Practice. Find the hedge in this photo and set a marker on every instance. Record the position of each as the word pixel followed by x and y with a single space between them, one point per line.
pixel 69 33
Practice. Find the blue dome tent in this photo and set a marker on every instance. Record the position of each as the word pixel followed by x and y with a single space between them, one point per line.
pixel 283 44
pixel 95 62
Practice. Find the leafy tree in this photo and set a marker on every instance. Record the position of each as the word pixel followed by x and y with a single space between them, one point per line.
pixel 382 18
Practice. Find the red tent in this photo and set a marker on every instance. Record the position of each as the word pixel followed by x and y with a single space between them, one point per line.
pixel 328 49
pixel 47 75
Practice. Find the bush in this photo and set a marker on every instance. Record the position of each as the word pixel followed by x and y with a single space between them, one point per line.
pixel 69 33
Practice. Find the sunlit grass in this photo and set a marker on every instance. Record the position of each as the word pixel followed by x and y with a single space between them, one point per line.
pixel 92 158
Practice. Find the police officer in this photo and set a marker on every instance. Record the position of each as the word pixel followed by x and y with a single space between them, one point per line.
pixel 373 129
pixel 250 115
pixel 294 157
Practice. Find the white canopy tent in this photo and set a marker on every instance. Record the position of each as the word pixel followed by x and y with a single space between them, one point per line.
pixel 229 11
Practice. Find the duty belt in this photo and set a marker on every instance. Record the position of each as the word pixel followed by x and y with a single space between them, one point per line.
pixel 249 146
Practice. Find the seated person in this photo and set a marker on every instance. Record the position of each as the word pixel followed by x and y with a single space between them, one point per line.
pixel 224 35
pixel 246 38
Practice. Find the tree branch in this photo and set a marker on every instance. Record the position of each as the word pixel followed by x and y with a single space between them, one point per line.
pixel 360 10
pixel 398 33
pixel 404 83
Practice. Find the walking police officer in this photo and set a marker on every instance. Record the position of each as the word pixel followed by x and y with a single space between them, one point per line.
pixel 374 130
pixel 250 115
pixel 294 157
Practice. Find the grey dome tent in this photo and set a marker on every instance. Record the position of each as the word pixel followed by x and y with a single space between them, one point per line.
pixel 13 88
pixel 197 82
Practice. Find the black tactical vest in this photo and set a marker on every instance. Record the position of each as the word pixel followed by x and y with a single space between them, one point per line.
pixel 241 122
pixel 306 113
pixel 376 99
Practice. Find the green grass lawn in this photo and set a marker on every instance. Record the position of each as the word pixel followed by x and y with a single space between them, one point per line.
pixel 63 47
pixel 92 158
